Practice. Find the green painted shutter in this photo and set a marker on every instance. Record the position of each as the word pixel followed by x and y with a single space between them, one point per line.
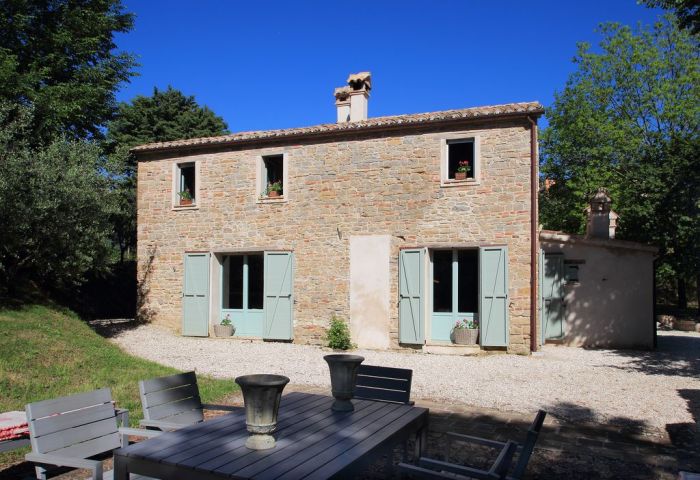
pixel 553 296
pixel 493 301
pixel 278 296
pixel 411 279
pixel 195 295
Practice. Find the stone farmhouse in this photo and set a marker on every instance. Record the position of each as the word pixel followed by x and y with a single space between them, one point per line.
pixel 402 225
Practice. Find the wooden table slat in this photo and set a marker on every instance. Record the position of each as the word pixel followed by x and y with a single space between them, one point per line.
pixel 358 452
pixel 226 445
pixel 303 438
pixel 172 441
pixel 327 452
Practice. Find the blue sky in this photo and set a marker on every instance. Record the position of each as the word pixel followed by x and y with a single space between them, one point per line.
pixel 266 65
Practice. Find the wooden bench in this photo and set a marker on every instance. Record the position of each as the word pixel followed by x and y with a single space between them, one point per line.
pixel 385 384
pixel 173 402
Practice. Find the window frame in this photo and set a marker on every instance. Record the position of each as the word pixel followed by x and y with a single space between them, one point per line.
pixel 176 185
pixel 261 180
pixel 445 159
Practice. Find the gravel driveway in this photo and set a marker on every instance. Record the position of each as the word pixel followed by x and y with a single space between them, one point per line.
pixel 641 389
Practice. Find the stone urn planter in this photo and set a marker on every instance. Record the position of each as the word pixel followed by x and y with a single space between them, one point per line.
pixel 223 330
pixel 261 397
pixel 465 336
pixel 343 369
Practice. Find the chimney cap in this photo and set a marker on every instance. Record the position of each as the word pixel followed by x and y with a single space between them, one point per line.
pixel 342 93
pixel 360 80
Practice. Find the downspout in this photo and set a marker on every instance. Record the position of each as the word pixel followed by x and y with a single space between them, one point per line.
pixel 534 188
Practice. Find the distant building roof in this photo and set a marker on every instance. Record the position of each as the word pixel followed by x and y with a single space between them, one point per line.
pixel 556 236
pixel 378 123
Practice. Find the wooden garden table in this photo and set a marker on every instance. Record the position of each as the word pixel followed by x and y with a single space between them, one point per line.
pixel 312 442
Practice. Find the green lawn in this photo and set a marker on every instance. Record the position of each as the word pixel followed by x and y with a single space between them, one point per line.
pixel 47 353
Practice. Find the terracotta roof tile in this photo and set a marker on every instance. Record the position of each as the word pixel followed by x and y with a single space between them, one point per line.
pixel 534 108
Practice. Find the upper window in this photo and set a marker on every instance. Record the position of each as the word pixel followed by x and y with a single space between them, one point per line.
pixel 185 184
pixel 460 161
pixel 272 176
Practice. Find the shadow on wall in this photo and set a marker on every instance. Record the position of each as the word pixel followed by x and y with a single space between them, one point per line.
pixel 607 307
pixel 143 286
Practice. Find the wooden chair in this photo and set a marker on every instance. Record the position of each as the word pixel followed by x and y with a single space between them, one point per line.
pixel 173 402
pixel 430 468
pixel 67 431
pixel 385 384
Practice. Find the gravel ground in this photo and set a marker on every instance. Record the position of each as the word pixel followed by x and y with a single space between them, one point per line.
pixel 639 389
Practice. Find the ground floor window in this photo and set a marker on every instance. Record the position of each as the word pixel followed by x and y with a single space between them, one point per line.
pixel 455 289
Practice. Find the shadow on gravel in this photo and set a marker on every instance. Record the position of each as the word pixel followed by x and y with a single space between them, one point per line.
pixel 687 435
pixel 676 356
pixel 113 327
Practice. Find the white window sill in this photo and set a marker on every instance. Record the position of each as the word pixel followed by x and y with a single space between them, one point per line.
pixel 281 199
pixel 459 183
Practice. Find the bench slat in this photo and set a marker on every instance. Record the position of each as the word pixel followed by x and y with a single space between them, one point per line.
pixel 160 397
pixel 53 406
pixel 164 383
pixel 72 436
pixel 47 425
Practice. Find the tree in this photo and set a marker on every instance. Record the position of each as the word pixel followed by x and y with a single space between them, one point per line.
pixel 54 208
pixel 687 12
pixel 166 115
pixel 628 120
pixel 59 57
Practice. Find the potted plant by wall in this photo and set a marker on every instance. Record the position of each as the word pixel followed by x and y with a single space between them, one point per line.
pixel 274 189
pixel 225 328
pixel 462 170
pixel 185 197
pixel 466 332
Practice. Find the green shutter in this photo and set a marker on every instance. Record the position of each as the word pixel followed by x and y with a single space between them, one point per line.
pixel 411 279
pixel 553 296
pixel 278 296
pixel 195 295
pixel 493 301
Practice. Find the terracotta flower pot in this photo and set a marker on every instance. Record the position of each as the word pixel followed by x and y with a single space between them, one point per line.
pixel 343 369
pixel 261 397
pixel 460 175
pixel 465 336
pixel 185 201
pixel 273 193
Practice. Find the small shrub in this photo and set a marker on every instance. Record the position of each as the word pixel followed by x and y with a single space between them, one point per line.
pixel 339 334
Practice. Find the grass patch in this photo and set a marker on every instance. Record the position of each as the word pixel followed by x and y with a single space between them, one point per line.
pixel 46 353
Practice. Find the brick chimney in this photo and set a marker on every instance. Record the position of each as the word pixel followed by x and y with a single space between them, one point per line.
pixel 351 101
pixel 602 221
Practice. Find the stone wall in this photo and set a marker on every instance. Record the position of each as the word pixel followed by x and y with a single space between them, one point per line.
pixel 381 184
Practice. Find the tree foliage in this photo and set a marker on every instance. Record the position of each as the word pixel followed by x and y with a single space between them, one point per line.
pixel 54 208
pixel 166 115
pixel 59 57
pixel 687 12
pixel 628 120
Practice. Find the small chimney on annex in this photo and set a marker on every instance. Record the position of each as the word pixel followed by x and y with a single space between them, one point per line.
pixel 351 101
pixel 602 221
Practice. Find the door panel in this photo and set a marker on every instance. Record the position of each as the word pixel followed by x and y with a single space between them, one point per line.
pixel 195 295
pixel 411 279
pixel 278 296
pixel 493 296
pixel 553 296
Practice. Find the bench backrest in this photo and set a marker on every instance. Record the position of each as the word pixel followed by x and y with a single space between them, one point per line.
pixel 529 444
pixel 77 426
pixel 383 383
pixel 173 399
